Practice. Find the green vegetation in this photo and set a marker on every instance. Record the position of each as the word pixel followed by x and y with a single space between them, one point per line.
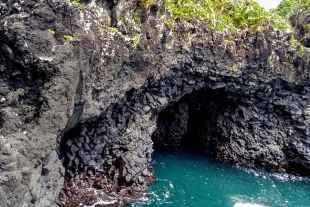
pixel 227 41
pixel 279 22
pixel 137 19
pixel 101 61
pixel 136 38
pixel 302 49
pixel 145 3
pixel 102 32
pixel 169 24
pixel 298 13
pixel 223 14
pixel 234 67
pixel 294 41
pixel 285 8
pixel 52 32
pixel 68 38
pixel 77 3
pixel 220 13
pixel 289 7
pixel 113 29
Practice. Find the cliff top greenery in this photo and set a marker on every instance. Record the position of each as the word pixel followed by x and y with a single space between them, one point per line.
pixel 224 14
pixel 290 7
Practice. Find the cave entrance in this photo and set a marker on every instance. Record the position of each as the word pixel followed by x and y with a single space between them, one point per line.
pixel 192 122
pixel 193 138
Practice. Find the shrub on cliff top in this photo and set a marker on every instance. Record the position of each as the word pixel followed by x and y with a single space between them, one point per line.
pixel 285 7
pixel 289 7
pixel 221 14
pixel 297 12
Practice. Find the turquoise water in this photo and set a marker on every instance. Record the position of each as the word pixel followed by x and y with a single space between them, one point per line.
pixel 189 179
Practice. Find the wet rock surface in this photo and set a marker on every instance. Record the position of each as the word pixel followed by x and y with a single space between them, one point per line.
pixel 93 187
pixel 85 112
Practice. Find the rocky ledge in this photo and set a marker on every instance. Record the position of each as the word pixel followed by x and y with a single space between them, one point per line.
pixel 85 91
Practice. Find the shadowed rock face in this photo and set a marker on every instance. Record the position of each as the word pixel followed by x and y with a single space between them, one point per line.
pixel 87 109
pixel 250 131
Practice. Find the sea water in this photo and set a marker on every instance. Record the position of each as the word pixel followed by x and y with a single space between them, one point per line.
pixel 189 179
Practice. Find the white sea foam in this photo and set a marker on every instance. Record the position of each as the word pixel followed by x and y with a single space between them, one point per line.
pixel 99 194
pixel 103 203
pixel 247 205
pixel 268 175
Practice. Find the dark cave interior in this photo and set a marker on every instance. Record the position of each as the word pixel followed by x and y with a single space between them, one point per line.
pixel 191 123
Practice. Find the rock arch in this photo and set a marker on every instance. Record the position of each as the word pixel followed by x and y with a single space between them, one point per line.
pixel 242 122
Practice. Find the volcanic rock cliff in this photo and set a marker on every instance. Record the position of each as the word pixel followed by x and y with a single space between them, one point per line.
pixel 89 106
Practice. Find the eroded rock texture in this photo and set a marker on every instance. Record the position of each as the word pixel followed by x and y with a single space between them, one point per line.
pixel 98 99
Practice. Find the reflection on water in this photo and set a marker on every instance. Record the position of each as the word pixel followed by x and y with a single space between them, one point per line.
pixel 189 179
